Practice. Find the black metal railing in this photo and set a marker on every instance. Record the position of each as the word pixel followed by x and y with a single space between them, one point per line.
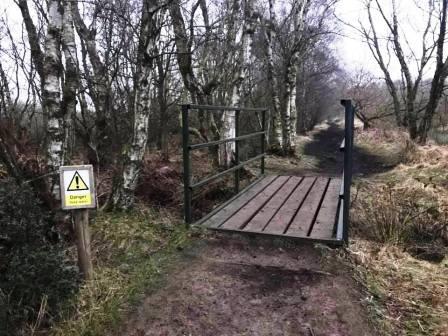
pixel 347 148
pixel 187 148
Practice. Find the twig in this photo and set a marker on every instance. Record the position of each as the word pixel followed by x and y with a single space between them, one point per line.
pixel 40 177
pixel 310 329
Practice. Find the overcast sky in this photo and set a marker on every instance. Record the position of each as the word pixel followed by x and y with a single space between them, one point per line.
pixel 355 54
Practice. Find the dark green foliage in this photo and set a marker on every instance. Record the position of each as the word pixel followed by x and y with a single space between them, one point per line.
pixel 33 266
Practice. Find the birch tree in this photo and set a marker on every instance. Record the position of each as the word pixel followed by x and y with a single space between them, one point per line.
pixel 71 83
pixel 203 75
pixel 269 32
pixel 123 196
pixel 289 114
pixel 52 71
pixel 243 48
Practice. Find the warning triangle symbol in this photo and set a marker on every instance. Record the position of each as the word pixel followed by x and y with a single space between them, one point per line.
pixel 77 183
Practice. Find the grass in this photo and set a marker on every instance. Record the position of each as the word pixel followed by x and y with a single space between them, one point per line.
pixel 406 296
pixel 132 252
pixel 400 244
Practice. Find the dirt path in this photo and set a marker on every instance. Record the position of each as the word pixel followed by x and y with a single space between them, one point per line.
pixel 240 286
pixel 231 285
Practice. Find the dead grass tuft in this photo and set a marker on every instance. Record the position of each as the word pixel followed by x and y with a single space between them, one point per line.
pixel 398 214
pixel 409 296
pixel 400 245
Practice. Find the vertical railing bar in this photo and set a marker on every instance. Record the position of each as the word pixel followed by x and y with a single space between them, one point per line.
pixel 347 174
pixel 187 163
pixel 263 141
pixel 237 150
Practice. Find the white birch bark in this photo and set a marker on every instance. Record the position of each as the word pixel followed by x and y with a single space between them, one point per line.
pixel 245 41
pixel 276 139
pixel 123 197
pixel 71 76
pixel 52 93
pixel 293 108
pixel 228 117
pixel 5 94
pixel 289 114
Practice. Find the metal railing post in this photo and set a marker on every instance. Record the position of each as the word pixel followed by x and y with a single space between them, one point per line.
pixel 263 140
pixel 347 177
pixel 237 151
pixel 187 163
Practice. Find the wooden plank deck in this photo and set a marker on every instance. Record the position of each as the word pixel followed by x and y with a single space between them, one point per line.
pixel 285 206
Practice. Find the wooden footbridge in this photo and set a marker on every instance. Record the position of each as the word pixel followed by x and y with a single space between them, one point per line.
pixel 312 208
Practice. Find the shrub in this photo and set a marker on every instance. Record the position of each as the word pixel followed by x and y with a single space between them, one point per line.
pixel 401 215
pixel 33 266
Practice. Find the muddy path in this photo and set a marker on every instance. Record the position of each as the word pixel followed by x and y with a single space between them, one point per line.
pixel 251 286
pixel 233 285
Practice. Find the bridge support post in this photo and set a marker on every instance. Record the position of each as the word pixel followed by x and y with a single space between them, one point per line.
pixel 348 155
pixel 187 163
pixel 237 151
pixel 263 140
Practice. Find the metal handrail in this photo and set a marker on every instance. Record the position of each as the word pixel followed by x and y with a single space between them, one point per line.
pixel 214 177
pixel 187 148
pixel 224 108
pixel 218 142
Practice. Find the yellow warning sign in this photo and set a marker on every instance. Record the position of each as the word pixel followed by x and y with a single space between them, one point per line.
pixel 77 183
pixel 78 200
pixel 77 187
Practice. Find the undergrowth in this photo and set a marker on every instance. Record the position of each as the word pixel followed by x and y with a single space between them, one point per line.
pixel 400 237
pixel 132 251
pixel 36 274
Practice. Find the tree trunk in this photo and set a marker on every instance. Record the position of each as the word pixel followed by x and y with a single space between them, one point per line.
pixel 289 115
pixel 293 105
pixel 98 85
pixel 71 77
pixel 5 95
pixel 123 196
pixel 162 79
pixel 37 56
pixel 438 81
pixel 276 139
pixel 287 131
pixel 375 49
pixel 242 66
pixel 52 96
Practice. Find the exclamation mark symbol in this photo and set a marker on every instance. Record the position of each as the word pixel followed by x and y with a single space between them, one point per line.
pixel 77 182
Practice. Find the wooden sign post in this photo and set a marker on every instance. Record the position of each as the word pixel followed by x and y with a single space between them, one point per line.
pixel 78 194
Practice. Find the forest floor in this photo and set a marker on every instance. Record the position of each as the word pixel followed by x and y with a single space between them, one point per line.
pixel 233 285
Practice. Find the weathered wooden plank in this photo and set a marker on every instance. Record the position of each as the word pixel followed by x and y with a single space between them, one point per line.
pixel 283 217
pixel 279 236
pixel 226 212
pixel 226 203
pixel 263 217
pixel 305 216
pixel 244 214
pixel 324 224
